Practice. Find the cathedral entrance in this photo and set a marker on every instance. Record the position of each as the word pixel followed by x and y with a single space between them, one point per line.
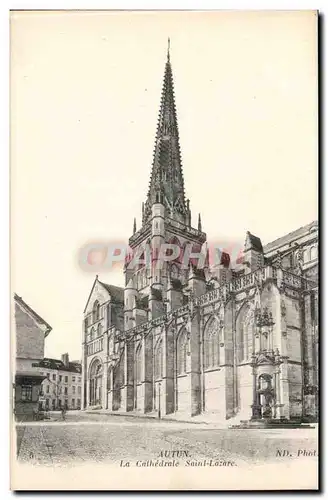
pixel 95 383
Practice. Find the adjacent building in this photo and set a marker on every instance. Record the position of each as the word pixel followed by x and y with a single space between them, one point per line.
pixel 233 340
pixel 31 331
pixel 62 385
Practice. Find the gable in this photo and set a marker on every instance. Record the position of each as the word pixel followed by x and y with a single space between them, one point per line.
pixel 98 292
pixel 21 305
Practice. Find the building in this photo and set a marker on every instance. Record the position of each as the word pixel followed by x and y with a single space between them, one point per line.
pixel 62 385
pixel 231 340
pixel 31 331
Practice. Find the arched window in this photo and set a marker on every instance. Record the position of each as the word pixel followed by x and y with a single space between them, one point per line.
pixel 96 311
pixel 159 360
pixel 211 344
pixel 99 329
pixel 139 364
pixel 95 383
pixel 174 271
pixel 182 347
pixel 306 255
pixel 92 333
pixel 314 253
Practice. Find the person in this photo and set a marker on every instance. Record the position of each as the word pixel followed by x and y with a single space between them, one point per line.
pixel 63 412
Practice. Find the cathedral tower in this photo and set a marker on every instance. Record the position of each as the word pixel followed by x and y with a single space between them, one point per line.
pixel 166 218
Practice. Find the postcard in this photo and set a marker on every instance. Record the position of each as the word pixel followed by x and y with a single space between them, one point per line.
pixel 164 249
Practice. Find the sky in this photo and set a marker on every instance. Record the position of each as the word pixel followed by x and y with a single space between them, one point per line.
pixel 85 95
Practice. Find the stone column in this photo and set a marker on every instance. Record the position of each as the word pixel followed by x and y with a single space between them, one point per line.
pixel 127 389
pixel 309 409
pixel 110 386
pixel 202 361
pixel 195 380
pixel 284 388
pixel 168 371
pixel 83 378
pixel 104 389
pixel 148 372
pixel 277 393
pixel 256 408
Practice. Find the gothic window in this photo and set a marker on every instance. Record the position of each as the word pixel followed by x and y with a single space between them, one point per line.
pixel 306 255
pixel 99 330
pixel 139 364
pixel 174 271
pixel 182 347
pixel 159 361
pixel 92 334
pixel 313 253
pixel 211 344
pixel 265 339
pixel 96 311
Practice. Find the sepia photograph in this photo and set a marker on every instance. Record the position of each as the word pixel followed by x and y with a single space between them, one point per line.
pixel 164 250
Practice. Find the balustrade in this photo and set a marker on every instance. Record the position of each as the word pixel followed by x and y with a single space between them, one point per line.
pixel 238 284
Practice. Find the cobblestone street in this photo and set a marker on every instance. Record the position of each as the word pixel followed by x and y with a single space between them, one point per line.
pixel 109 439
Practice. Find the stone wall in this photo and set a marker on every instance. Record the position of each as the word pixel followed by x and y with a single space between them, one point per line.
pixel 29 337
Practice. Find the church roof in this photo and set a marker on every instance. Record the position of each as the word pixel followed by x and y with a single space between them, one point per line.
pixel 57 364
pixel 166 182
pixel 294 235
pixel 116 292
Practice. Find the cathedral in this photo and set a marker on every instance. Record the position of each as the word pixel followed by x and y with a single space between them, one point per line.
pixel 186 337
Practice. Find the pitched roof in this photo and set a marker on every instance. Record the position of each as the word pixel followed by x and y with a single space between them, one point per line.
pixel 35 315
pixel 298 233
pixel 116 292
pixel 57 364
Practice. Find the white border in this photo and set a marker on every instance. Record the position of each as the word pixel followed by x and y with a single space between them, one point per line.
pixel 5 6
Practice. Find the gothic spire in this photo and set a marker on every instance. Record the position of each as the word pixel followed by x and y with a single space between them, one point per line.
pixel 166 181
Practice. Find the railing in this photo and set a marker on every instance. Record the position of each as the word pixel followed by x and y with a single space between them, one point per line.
pixel 191 230
pixel 238 284
pixel 296 281
pixel 291 279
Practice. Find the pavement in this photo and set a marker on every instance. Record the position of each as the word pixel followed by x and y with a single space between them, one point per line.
pixel 105 438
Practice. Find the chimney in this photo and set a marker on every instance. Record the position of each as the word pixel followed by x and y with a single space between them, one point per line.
pixel 65 359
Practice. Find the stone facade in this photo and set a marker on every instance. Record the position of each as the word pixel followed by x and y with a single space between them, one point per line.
pixel 31 331
pixel 226 340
